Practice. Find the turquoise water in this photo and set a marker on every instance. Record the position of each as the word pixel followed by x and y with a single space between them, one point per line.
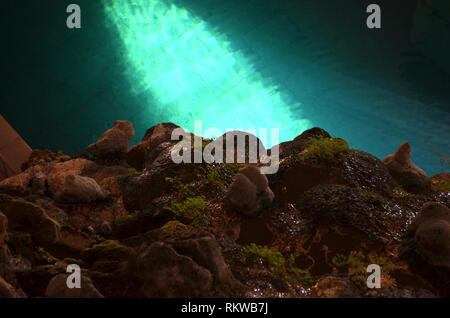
pixel 286 64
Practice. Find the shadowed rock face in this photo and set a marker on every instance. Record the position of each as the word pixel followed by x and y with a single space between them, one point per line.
pixel 426 246
pixel 406 173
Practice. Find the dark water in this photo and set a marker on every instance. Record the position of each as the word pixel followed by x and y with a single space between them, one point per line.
pixel 63 88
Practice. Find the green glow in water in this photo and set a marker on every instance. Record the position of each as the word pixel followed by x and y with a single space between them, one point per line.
pixel 193 73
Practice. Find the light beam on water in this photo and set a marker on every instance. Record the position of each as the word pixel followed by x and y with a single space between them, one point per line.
pixel 193 73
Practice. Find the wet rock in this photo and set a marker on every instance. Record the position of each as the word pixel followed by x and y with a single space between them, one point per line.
pixel 362 170
pixel 30 218
pixel 296 176
pixel 57 288
pixel 249 192
pixel 252 151
pixel 136 155
pixel 114 141
pixel 335 287
pixel 426 246
pixel 78 189
pixel 406 173
pixel 139 190
pixel 104 228
pixel 369 213
pixel 165 273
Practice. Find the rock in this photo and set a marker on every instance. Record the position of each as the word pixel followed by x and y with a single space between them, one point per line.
pixel 373 216
pixel 57 288
pixel 296 176
pixel 39 184
pixel 7 290
pixel 165 273
pixel 367 172
pixel 104 228
pixel 139 190
pixel 114 141
pixel 335 287
pixel 426 246
pixel 40 157
pixel 252 151
pixel 406 173
pixel 441 182
pixel 78 189
pixel 3 228
pixel 136 155
pixel 30 218
pixel 249 192
pixel 297 145
pixel 206 252
pixel 57 173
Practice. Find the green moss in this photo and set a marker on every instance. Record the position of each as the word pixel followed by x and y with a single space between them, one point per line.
pixel 277 264
pixel 107 256
pixel 129 218
pixel 357 262
pixel 193 209
pixel 441 185
pixel 324 149
pixel 96 238
pixel 399 192
pixel 133 171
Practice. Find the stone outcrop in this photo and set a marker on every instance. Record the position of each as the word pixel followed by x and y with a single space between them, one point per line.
pixel 114 141
pixel 405 172
pixel 57 288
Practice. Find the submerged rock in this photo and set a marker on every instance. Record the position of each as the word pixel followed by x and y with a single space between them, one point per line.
pixel 406 173
pixel 3 227
pixel 114 141
pixel 249 192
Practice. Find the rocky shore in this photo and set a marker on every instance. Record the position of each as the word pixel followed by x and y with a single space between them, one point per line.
pixel 139 225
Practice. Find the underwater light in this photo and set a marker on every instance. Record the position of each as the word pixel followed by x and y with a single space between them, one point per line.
pixel 191 71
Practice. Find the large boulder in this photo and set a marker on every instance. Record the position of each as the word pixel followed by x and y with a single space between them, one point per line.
pixel 114 141
pixel 78 189
pixel 373 216
pixel 426 246
pixel 27 217
pixel 249 193
pixel 57 288
pixel 166 273
pixel 405 172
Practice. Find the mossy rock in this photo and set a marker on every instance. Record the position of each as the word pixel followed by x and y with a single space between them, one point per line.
pixel 107 256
